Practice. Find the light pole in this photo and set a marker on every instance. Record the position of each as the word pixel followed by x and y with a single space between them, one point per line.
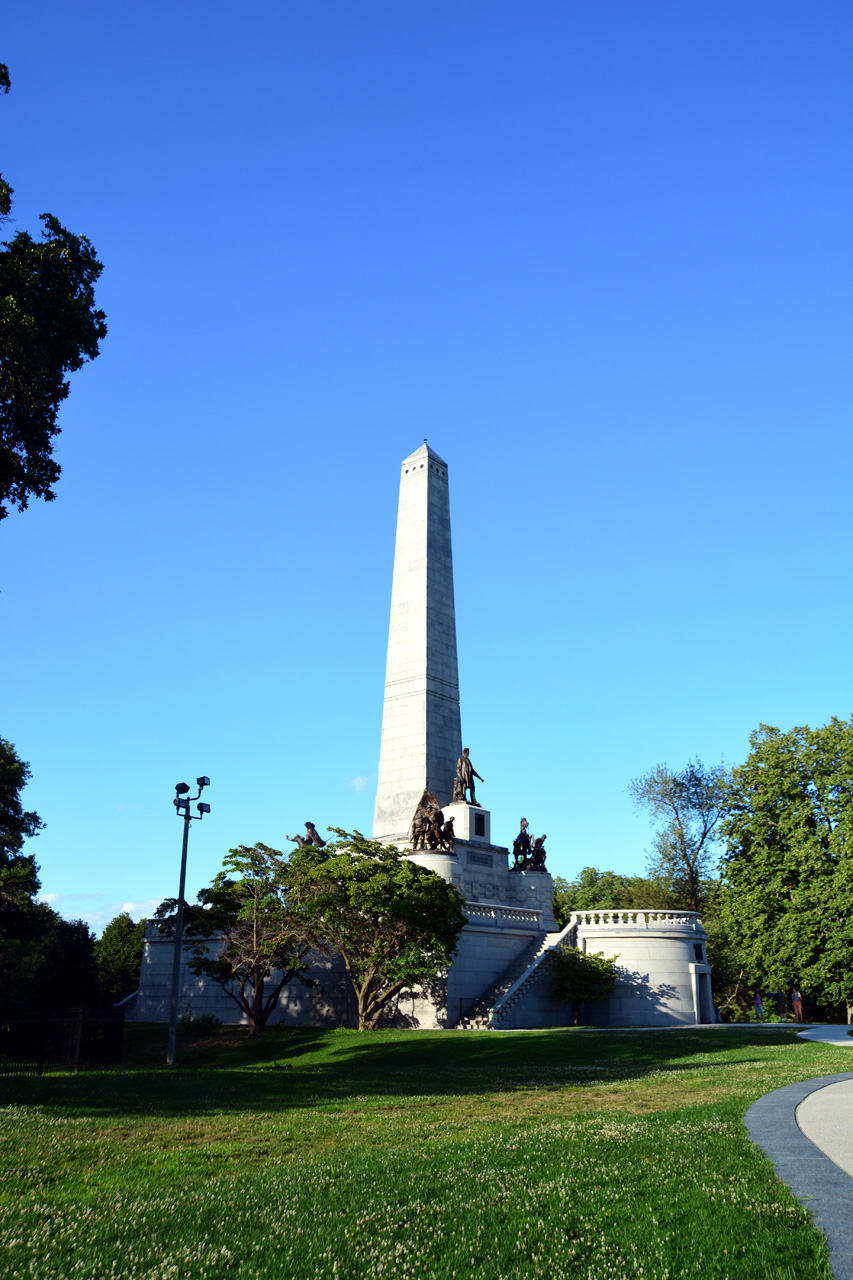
pixel 182 802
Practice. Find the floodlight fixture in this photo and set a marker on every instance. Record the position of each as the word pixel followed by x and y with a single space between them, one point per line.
pixel 182 802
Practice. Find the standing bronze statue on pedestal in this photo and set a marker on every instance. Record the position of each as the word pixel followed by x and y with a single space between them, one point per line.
pixel 464 780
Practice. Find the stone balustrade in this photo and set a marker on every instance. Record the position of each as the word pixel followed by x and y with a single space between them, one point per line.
pixel 646 919
pixel 498 915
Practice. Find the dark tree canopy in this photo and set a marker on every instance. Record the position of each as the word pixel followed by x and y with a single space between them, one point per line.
pixel 49 326
pixel 19 882
pixel 49 964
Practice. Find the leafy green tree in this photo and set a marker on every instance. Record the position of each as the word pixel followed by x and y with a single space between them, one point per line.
pixel 118 955
pixel 19 882
pixel 49 964
pixel 249 937
pixel 685 809
pixel 581 976
pixel 788 870
pixel 608 891
pixel 49 327
pixel 395 923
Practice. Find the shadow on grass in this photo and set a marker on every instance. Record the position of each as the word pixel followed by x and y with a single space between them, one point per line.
pixel 289 1069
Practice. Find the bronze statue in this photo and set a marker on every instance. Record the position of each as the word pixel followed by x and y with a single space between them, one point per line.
pixel 428 829
pixel 465 775
pixel 521 845
pixel 420 826
pixel 436 822
pixel 537 857
pixel 448 836
pixel 313 837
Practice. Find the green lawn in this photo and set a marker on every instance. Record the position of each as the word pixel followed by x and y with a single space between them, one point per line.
pixel 314 1154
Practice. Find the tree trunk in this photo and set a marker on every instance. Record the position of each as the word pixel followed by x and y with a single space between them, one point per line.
pixel 257 1007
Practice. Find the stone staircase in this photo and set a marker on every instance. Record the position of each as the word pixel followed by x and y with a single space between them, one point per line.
pixel 479 1016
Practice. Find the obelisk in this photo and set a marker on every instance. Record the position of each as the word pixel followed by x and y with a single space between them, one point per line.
pixel 421 730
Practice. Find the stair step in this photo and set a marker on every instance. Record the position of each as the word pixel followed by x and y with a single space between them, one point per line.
pixel 479 1016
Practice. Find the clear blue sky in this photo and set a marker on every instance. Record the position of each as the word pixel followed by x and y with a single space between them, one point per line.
pixel 599 254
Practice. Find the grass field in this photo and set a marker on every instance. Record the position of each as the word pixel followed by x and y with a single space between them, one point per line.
pixel 314 1154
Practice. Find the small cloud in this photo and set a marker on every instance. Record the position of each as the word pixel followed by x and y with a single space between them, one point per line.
pixel 146 907
pixel 49 897
pixel 362 782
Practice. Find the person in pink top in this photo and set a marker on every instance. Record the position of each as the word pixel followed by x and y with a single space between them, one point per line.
pixel 759 1005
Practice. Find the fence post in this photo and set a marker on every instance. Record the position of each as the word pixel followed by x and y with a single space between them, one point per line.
pixel 78 1041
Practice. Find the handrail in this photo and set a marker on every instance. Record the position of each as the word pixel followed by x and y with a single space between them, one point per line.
pixel 509 997
pixel 642 918
pixel 500 913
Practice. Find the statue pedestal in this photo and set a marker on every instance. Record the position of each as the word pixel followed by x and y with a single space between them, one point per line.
pixel 470 823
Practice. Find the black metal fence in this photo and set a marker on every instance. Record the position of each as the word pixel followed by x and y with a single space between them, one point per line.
pixel 33 1043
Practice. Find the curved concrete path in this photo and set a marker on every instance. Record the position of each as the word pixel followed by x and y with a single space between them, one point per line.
pixel 826 1118
pixel 817 1179
pixel 827 1034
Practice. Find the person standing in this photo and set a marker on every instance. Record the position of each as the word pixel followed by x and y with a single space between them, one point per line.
pixel 759 1005
pixel 781 1005
pixel 797 1002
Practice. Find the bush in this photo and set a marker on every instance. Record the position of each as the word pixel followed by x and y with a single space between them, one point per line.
pixel 581 976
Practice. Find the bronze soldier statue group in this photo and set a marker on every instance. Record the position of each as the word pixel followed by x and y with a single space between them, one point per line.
pixel 528 855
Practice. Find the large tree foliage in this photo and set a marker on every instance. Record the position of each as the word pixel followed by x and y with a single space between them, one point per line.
pixel 249 937
pixel 19 882
pixel 685 810
pixel 396 924
pixel 118 955
pixel 607 891
pixel 49 326
pixel 581 976
pixel 788 869
pixel 49 963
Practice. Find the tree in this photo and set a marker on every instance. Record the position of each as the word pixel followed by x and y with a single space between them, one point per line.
pixel 49 326
pixel 595 890
pixel 581 976
pixel 257 936
pixel 118 955
pixel 19 882
pixel 788 869
pixel 396 924
pixel 686 808
pixel 49 963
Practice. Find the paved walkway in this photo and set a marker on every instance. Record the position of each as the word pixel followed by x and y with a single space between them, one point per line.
pixel 829 1035
pixel 806 1130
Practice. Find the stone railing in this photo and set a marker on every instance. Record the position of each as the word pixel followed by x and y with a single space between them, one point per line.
pixel 503 917
pixel 647 919
pixel 519 987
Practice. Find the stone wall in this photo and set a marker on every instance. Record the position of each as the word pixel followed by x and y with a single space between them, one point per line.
pixel 664 977
pixel 486 948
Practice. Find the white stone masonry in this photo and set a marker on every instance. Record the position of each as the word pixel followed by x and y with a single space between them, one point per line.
pixel 421 729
